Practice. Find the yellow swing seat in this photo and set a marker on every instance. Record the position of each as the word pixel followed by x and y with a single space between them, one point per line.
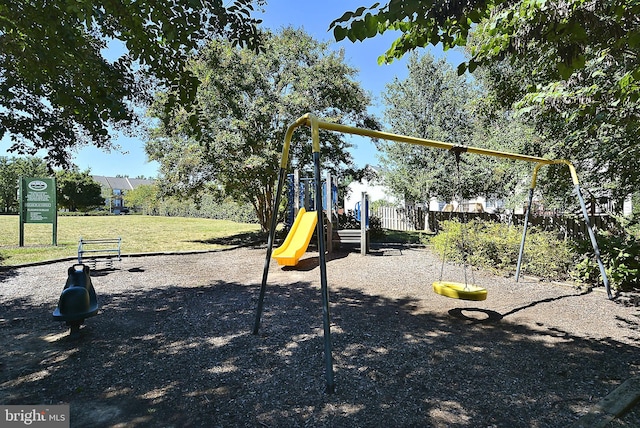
pixel 457 290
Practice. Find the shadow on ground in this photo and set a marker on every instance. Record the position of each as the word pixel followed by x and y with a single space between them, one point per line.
pixel 246 239
pixel 185 357
pixel 7 273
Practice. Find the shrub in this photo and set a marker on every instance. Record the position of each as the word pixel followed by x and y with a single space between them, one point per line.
pixel 209 207
pixel 375 226
pixel 94 213
pixel 348 221
pixel 620 252
pixel 496 246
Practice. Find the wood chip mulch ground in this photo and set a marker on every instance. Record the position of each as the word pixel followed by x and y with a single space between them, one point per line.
pixel 173 346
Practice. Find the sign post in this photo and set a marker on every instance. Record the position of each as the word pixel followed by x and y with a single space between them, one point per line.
pixel 38 204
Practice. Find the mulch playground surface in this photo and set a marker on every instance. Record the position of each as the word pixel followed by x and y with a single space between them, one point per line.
pixel 172 345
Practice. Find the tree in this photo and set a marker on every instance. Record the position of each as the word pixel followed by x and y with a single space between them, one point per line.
pixel 57 88
pixel 143 197
pixel 11 169
pixel 572 31
pixel 572 66
pixel 433 102
pixel 500 128
pixel 78 191
pixel 246 102
pixel 583 119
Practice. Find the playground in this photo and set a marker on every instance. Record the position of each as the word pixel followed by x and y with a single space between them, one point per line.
pixel 172 345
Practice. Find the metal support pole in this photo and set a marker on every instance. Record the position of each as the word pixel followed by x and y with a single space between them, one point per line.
pixel 326 319
pixel 594 242
pixel 296 192
pixel 524 234
pixel 23 214
pixel 272 232
pixel 306 196
pixel 54 237
pixel 329 212
pixel 364 213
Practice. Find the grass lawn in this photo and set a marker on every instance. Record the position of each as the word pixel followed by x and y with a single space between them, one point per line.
pixel 140 234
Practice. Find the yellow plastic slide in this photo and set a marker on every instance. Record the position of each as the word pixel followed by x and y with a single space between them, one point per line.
pixel 297 241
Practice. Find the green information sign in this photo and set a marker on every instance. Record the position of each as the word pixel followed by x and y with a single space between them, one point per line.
pixel 38 204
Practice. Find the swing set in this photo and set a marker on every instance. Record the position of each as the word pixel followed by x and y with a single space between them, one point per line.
pixel 446 288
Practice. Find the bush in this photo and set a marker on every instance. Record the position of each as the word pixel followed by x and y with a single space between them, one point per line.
pixel 496 246
pixel 375 227
pixel 209 207
pixel 94 213
pixel 620 252
pixel 348 221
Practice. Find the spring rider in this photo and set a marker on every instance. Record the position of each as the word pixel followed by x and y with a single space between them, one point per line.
pixel 78 299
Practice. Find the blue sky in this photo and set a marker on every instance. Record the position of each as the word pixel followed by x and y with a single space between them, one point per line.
pixel 315 18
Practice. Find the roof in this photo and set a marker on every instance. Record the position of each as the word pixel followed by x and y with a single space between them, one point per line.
pixel 122 183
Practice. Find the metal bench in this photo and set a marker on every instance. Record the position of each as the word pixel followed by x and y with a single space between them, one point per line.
pixel 90 251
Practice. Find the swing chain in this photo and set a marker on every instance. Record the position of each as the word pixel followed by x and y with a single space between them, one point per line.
pixel 452 289
pixel 458 150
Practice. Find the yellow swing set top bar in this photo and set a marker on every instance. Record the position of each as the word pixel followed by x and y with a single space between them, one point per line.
pixel 316 124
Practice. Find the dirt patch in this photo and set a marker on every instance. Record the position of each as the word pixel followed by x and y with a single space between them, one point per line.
pixel 173 346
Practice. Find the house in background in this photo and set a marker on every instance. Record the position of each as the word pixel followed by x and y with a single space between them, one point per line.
pixel 377 190
pixel 114 189
pixel 374 188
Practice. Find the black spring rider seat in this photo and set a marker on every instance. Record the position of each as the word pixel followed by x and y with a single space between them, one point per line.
pixel 78 299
